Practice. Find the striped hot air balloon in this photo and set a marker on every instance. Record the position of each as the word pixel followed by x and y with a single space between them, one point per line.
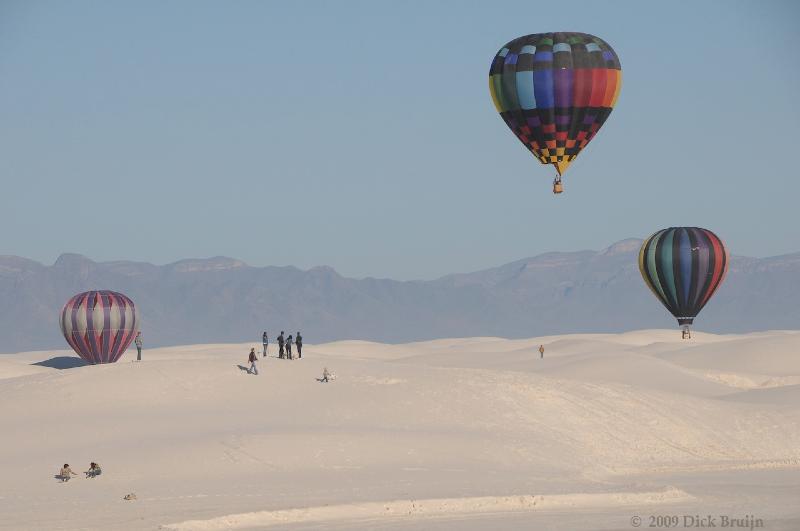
pixel 99 325
pixel 683 267
pixel 555 91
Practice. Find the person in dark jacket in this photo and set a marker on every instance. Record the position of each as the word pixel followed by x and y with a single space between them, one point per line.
pixel 280 345
pixel 289 347
pixel 264 342
pixel 138 343
pixel 252 358
pixel 299 342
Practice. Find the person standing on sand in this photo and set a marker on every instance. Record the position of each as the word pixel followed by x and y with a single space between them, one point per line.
pixel 264 342
pixel 298 341
pixel 280 345
pixel 252 359
pixel 289 347
pixel 138 343
pixel 541 351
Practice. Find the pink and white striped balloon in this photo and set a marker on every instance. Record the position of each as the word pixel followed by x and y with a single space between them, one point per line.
pixel 99 325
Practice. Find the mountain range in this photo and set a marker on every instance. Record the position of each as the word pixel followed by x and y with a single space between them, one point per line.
pixel 218 300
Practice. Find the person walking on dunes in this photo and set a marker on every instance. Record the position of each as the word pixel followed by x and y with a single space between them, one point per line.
pixel 289 347
pixel 252 359
pixel 66 473
pixel 541 351
pixel 298 341
pixel 264 342
pixel 280 345
pixel 138 342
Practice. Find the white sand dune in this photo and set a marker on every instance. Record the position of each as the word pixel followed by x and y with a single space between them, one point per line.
pixel 788 395
pixel 471 429
pixel 434 507
pixel 14 368
pixel 760 354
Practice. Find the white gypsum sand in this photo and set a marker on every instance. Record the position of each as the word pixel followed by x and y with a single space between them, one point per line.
pixel 448 434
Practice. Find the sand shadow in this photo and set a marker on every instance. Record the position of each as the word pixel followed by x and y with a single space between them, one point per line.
pixel 245 369
pixel 62 362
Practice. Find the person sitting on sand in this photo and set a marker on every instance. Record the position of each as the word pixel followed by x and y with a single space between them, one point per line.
pixel 327 375
pixel 65 473
pixel 94 470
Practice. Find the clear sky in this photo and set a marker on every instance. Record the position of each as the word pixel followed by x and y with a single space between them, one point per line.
pixel 361 135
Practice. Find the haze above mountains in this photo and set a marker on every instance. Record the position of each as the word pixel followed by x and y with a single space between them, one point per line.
pixel 219 300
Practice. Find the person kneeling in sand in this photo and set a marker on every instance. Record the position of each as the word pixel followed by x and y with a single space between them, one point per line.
pixel 327 375
pixel 94 470
pixel 65 473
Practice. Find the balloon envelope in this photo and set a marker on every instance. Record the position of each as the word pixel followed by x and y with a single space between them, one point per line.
pixel 683 267
pixel 99 325
pixel 555 91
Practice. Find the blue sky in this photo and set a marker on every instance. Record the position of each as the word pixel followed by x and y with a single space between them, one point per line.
pixel 362 135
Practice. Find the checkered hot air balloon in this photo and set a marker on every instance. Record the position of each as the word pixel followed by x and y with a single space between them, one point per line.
pixel 99 325
pixel 555 91
pixel 683 267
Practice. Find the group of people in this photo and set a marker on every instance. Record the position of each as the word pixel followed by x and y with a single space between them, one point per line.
pixel 284 349
pixel 66 473
pixel 284 345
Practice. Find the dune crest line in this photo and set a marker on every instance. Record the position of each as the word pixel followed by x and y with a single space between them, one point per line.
pixel 433 507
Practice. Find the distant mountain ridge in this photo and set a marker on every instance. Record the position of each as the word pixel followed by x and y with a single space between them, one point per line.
pixel 223 300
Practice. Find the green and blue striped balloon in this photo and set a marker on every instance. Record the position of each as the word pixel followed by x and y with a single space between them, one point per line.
pixel 683 267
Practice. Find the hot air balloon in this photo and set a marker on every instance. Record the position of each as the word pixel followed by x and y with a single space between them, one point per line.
pixel 99 325
pixel 555 91
pixel 683 267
